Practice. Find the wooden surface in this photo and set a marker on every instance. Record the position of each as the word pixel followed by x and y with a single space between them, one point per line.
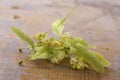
pixel 96 22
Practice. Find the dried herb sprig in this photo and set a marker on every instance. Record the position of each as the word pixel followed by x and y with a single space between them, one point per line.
pixel 65 46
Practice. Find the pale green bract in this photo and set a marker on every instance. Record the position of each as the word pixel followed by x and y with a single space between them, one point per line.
pixel 23 36
pixel 90 58
pixel 65 46
pixel 103 61
pixel 58 26
pixel 41 53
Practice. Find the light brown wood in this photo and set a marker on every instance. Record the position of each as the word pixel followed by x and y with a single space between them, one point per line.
pixel 96 25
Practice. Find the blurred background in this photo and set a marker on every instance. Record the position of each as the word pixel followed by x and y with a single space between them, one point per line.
pixel 31 13
pixel 97 21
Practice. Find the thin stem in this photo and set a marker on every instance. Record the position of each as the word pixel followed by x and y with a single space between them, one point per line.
pixel 24 60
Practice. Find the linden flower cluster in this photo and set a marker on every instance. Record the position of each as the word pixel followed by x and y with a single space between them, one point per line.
pixel 56 50
pixel 64 46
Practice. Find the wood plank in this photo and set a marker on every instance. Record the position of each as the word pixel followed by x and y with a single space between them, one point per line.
pixel 88 22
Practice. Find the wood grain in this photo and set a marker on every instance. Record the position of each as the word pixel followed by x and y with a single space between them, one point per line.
pixel 93 24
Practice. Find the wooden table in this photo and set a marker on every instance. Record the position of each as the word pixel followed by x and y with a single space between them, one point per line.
pixel 97 25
